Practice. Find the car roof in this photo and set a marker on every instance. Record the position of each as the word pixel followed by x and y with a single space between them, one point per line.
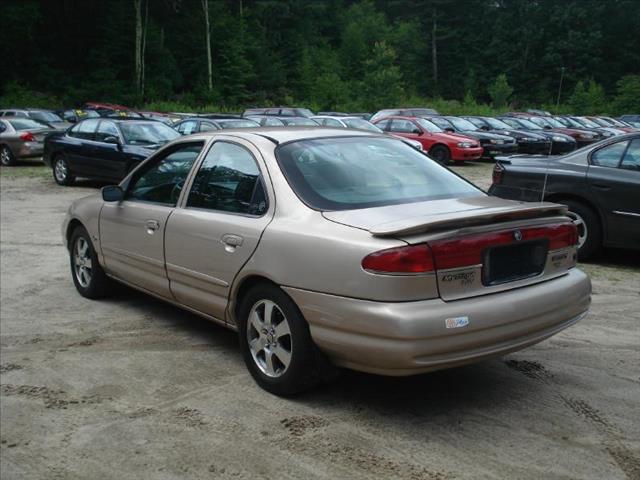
pixel 287 134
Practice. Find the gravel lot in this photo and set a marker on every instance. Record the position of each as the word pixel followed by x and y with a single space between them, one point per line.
pixel 132 388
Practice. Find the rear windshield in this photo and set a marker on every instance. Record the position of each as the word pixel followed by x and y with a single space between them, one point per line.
pixel 25 123
pixel 348 173
pixel 45 116
pixel 237 123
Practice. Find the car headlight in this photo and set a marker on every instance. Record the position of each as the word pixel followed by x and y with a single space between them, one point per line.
pixel 528 139
pixel 497 142
pixel 556 138
pixel 586 136
pixel 465 144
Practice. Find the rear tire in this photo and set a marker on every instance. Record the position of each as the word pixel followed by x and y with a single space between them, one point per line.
pixel 277 348
pixel 589 228
pixel 440 154
pixel 61 172
pixel 87 273
pixel 6 156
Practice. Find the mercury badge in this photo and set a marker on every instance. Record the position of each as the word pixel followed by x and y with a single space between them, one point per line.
pixel 517 235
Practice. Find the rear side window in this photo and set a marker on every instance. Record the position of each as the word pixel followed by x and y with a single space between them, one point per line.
pixel 24 123
pixel 609 156
pixel 187 128
pixel 85 130
pixel 631 159
pixel 229 181
pixel 361 172
pixel 402 126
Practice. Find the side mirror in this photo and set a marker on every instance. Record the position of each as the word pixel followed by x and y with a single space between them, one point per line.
pixel 449 129
pixel 417 131
pixel 485 128
pixel 112 140
pixel 547 127
pixel 112 193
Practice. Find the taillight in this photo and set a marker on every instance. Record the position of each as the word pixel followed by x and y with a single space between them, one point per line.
pixel 401 260
pixel 27 137
pixel 468 250
pixel 498 172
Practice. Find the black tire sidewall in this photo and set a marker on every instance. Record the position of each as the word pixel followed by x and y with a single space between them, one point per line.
pixel 592 222
pixel 97 285
pixel 446 154
pixel 302 371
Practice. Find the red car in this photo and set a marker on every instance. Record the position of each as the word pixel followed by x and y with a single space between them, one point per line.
pixel 440 145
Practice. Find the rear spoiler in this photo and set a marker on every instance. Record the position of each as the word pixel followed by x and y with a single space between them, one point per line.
pixel 430 223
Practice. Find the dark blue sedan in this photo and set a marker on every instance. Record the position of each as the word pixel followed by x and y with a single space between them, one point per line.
pixel 103 149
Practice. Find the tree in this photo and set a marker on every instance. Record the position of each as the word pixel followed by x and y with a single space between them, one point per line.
pixel 207 36
pixel 587 100
pixel 140 43
pixel 500 91
pixel 627 99
pixel 382 83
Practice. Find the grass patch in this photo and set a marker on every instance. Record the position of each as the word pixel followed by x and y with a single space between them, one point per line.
pixel 25 170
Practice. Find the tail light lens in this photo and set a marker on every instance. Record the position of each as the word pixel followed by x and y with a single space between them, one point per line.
pixel 463 251
pixel 27 137
pixel 402 260
pixel 498 172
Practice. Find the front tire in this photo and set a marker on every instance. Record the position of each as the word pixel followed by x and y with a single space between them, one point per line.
pixel 61 172
pixel 589 229
pixel 6 156
pixel 87 273
pixel 276 344
pixel 440 154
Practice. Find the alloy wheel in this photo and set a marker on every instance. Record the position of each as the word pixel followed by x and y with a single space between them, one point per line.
pixel 60 170
pixel 269 338
pixel 582 228
pixel 82 262
pixel 5 156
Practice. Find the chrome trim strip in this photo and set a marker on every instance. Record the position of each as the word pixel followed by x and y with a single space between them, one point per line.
pixel 627 214
pixel 197 275
pixel 135 256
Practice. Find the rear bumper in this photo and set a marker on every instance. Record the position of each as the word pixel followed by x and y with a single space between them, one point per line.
pixel 30 149
pixel 407 338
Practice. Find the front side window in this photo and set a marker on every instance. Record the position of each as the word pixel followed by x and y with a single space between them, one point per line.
pixel 631 159
pixel 356 172
pixel 229 181
pixel 162 180
pixel 610 155
pixel 106 130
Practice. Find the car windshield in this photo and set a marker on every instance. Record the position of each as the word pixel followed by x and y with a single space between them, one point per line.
pixel 360 172
pixel 462 124
pixel 124 114
pixel 496 124
pixel 429 126
pixel 45 116
pixel 305 112
pixel 25 123
pixel 602 122
pixel 304 122
pixel 360 124
pixel 237 123
pixel 143 133
pixel 553 122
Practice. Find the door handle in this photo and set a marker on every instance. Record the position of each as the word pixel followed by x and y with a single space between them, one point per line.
pixel 152 226
pixel 600 186
pixel 232 240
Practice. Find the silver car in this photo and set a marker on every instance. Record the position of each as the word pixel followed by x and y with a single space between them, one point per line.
pixel 21 138
pixel 327 248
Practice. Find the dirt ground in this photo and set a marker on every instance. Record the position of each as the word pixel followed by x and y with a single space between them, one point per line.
pixel 131 388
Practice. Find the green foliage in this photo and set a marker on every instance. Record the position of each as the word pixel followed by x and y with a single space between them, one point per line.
pixel 627 99
pixel 329 54
pixel 500 91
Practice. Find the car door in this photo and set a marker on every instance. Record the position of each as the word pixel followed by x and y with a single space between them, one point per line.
pixel 613 177
pixel 132 230
pixel 79 149
pixel 107 157
pixel 219 227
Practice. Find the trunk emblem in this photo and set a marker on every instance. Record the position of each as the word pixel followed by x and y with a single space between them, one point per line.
pixel 456 322
pixel 517 235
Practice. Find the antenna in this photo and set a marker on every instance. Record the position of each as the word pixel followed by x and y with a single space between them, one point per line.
pixel 546 171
